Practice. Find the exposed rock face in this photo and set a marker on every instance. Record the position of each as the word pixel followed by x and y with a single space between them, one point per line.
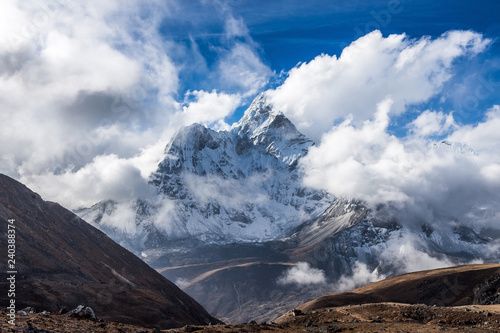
pixel 62 262
pixel 488 293
pixel 82 312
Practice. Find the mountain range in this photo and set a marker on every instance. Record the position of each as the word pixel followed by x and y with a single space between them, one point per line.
pixel 235 227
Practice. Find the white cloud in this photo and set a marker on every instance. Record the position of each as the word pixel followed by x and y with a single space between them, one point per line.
pixel 403 254
pixel 165 215
pixel 208 107
pixel 485 136
pixel 91 91
pixel 302 274
pixel 70 72
pixel 426 184
pixel 122 218
pixel 432 123
pixel 232 193
pixel 361 276
pixel 485 139
pixel 236 28
pixel 327 89
pixel 241 68
pixel 347 103
pixel 107 177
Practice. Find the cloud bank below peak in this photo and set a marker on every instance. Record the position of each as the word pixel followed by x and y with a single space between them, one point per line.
pixel 425 180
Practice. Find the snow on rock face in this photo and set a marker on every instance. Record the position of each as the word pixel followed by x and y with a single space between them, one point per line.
pixel 130 224
pixel 240 185
pixel 271 129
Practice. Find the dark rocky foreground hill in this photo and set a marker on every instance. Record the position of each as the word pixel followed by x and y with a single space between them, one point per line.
pixel 62 262
pixel 369 310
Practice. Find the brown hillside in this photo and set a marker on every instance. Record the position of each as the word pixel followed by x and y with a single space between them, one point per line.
pixel 62 262
pixel 443 287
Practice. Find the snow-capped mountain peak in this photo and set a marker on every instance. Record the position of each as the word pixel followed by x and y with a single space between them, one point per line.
pixel 264 126
pixel 225 186
pixel 258 115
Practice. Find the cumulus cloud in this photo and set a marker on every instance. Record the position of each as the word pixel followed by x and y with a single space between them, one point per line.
pixel 430 123
pixel 77 87
pixel 484 137
pixel 327 89
pixel 107 177
pixel 92 91
pixel 348 103
pixel 421 180
pixel 208 107
pixel 302 274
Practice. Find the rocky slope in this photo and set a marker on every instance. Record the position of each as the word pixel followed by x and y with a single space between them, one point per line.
pixel 62 262
pixel 369 318
pixel 362 310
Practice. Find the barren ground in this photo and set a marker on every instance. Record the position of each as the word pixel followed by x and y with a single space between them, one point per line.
pixel 382 317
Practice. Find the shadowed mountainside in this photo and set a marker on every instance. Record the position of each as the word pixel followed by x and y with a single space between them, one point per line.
pixel 62 262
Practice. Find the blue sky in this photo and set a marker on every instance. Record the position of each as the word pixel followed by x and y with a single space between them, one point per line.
pixel 94 89
pixel 295 31
pixel 290 32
